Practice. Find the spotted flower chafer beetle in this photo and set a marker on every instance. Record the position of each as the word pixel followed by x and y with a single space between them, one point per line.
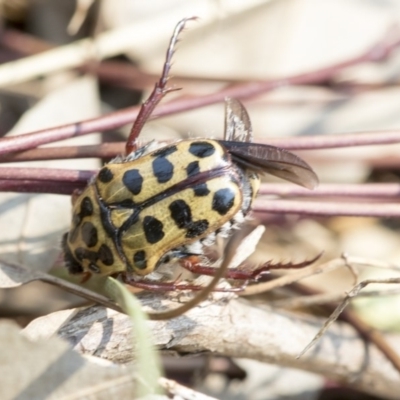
pixel 166 202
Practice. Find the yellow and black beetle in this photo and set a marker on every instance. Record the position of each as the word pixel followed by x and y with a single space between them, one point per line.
pixel 167 202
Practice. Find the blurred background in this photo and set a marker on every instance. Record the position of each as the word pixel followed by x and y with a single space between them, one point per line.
pixel 232 42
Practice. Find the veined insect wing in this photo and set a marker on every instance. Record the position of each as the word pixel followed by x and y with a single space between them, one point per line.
pixel 237 122
pixel 273 160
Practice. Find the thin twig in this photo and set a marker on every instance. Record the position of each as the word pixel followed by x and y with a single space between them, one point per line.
pixel 369 190
pixel 80 291
pixel 112 149
pixel 117 72
pixel 292 277
pixel 368 262
pixel 42 180
pixel 387 159
pixel 45 180
pixel 366 331
pixel 246 90
pixel 318 299
pixel 40 186
pixel 335 141
pixel 382 210
pixel 17 274
pixel 103 150
pixel 45 174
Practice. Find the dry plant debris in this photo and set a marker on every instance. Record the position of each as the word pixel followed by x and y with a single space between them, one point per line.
pixel 318 77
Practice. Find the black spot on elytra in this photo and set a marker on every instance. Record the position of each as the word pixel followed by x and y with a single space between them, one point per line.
pixel 86 210
pixel 76 219
pixel 133 181
pixel 193 168
pixel 201 190
pixel 86 207
pixel 105 175
pixel 223 200
pixel 73 266
pixel 139 259
pixel 106 255
pixel 85 254
pixel 202 149
pixel 80 253
pixel 126 203
pixel 180 213
pixel 153 229
pixel 197 228
pixel 162 169
pixel 89 234
pixel 165 151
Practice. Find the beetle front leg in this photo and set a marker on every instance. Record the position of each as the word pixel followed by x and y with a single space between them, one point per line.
pixel 170 286
pixel 193 264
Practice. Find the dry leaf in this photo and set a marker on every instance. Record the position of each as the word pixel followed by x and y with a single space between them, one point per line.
pixel 218 327
pixel 52 370
pixel 35 223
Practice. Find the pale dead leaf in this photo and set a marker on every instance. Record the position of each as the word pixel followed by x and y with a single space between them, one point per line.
pixel 122 39
pixel 381 312
pixel 51 369
pixel 13 276
pixel 218 327
pixel 260 39
pixel 47 326
pixel 247 246
pixel 157 19
pixel 35 223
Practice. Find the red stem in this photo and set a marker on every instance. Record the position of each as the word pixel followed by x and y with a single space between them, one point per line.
pixel 335 141
pixel 41 180
pixel 246 90
pixel 382 210
pixel 36 186
pixel 370 190
pixel 110 150
pixel 46 174
pixel 104 150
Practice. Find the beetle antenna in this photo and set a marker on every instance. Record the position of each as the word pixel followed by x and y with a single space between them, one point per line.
pixel 159 91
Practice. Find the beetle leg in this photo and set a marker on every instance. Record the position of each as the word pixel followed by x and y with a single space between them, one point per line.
pixel 85 277
pixel 171 286
pixel 193 264
pixel 159 91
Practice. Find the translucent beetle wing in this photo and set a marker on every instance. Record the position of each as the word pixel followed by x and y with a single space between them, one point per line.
pixel 237 122
pixel 261 158
pixel 273 160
